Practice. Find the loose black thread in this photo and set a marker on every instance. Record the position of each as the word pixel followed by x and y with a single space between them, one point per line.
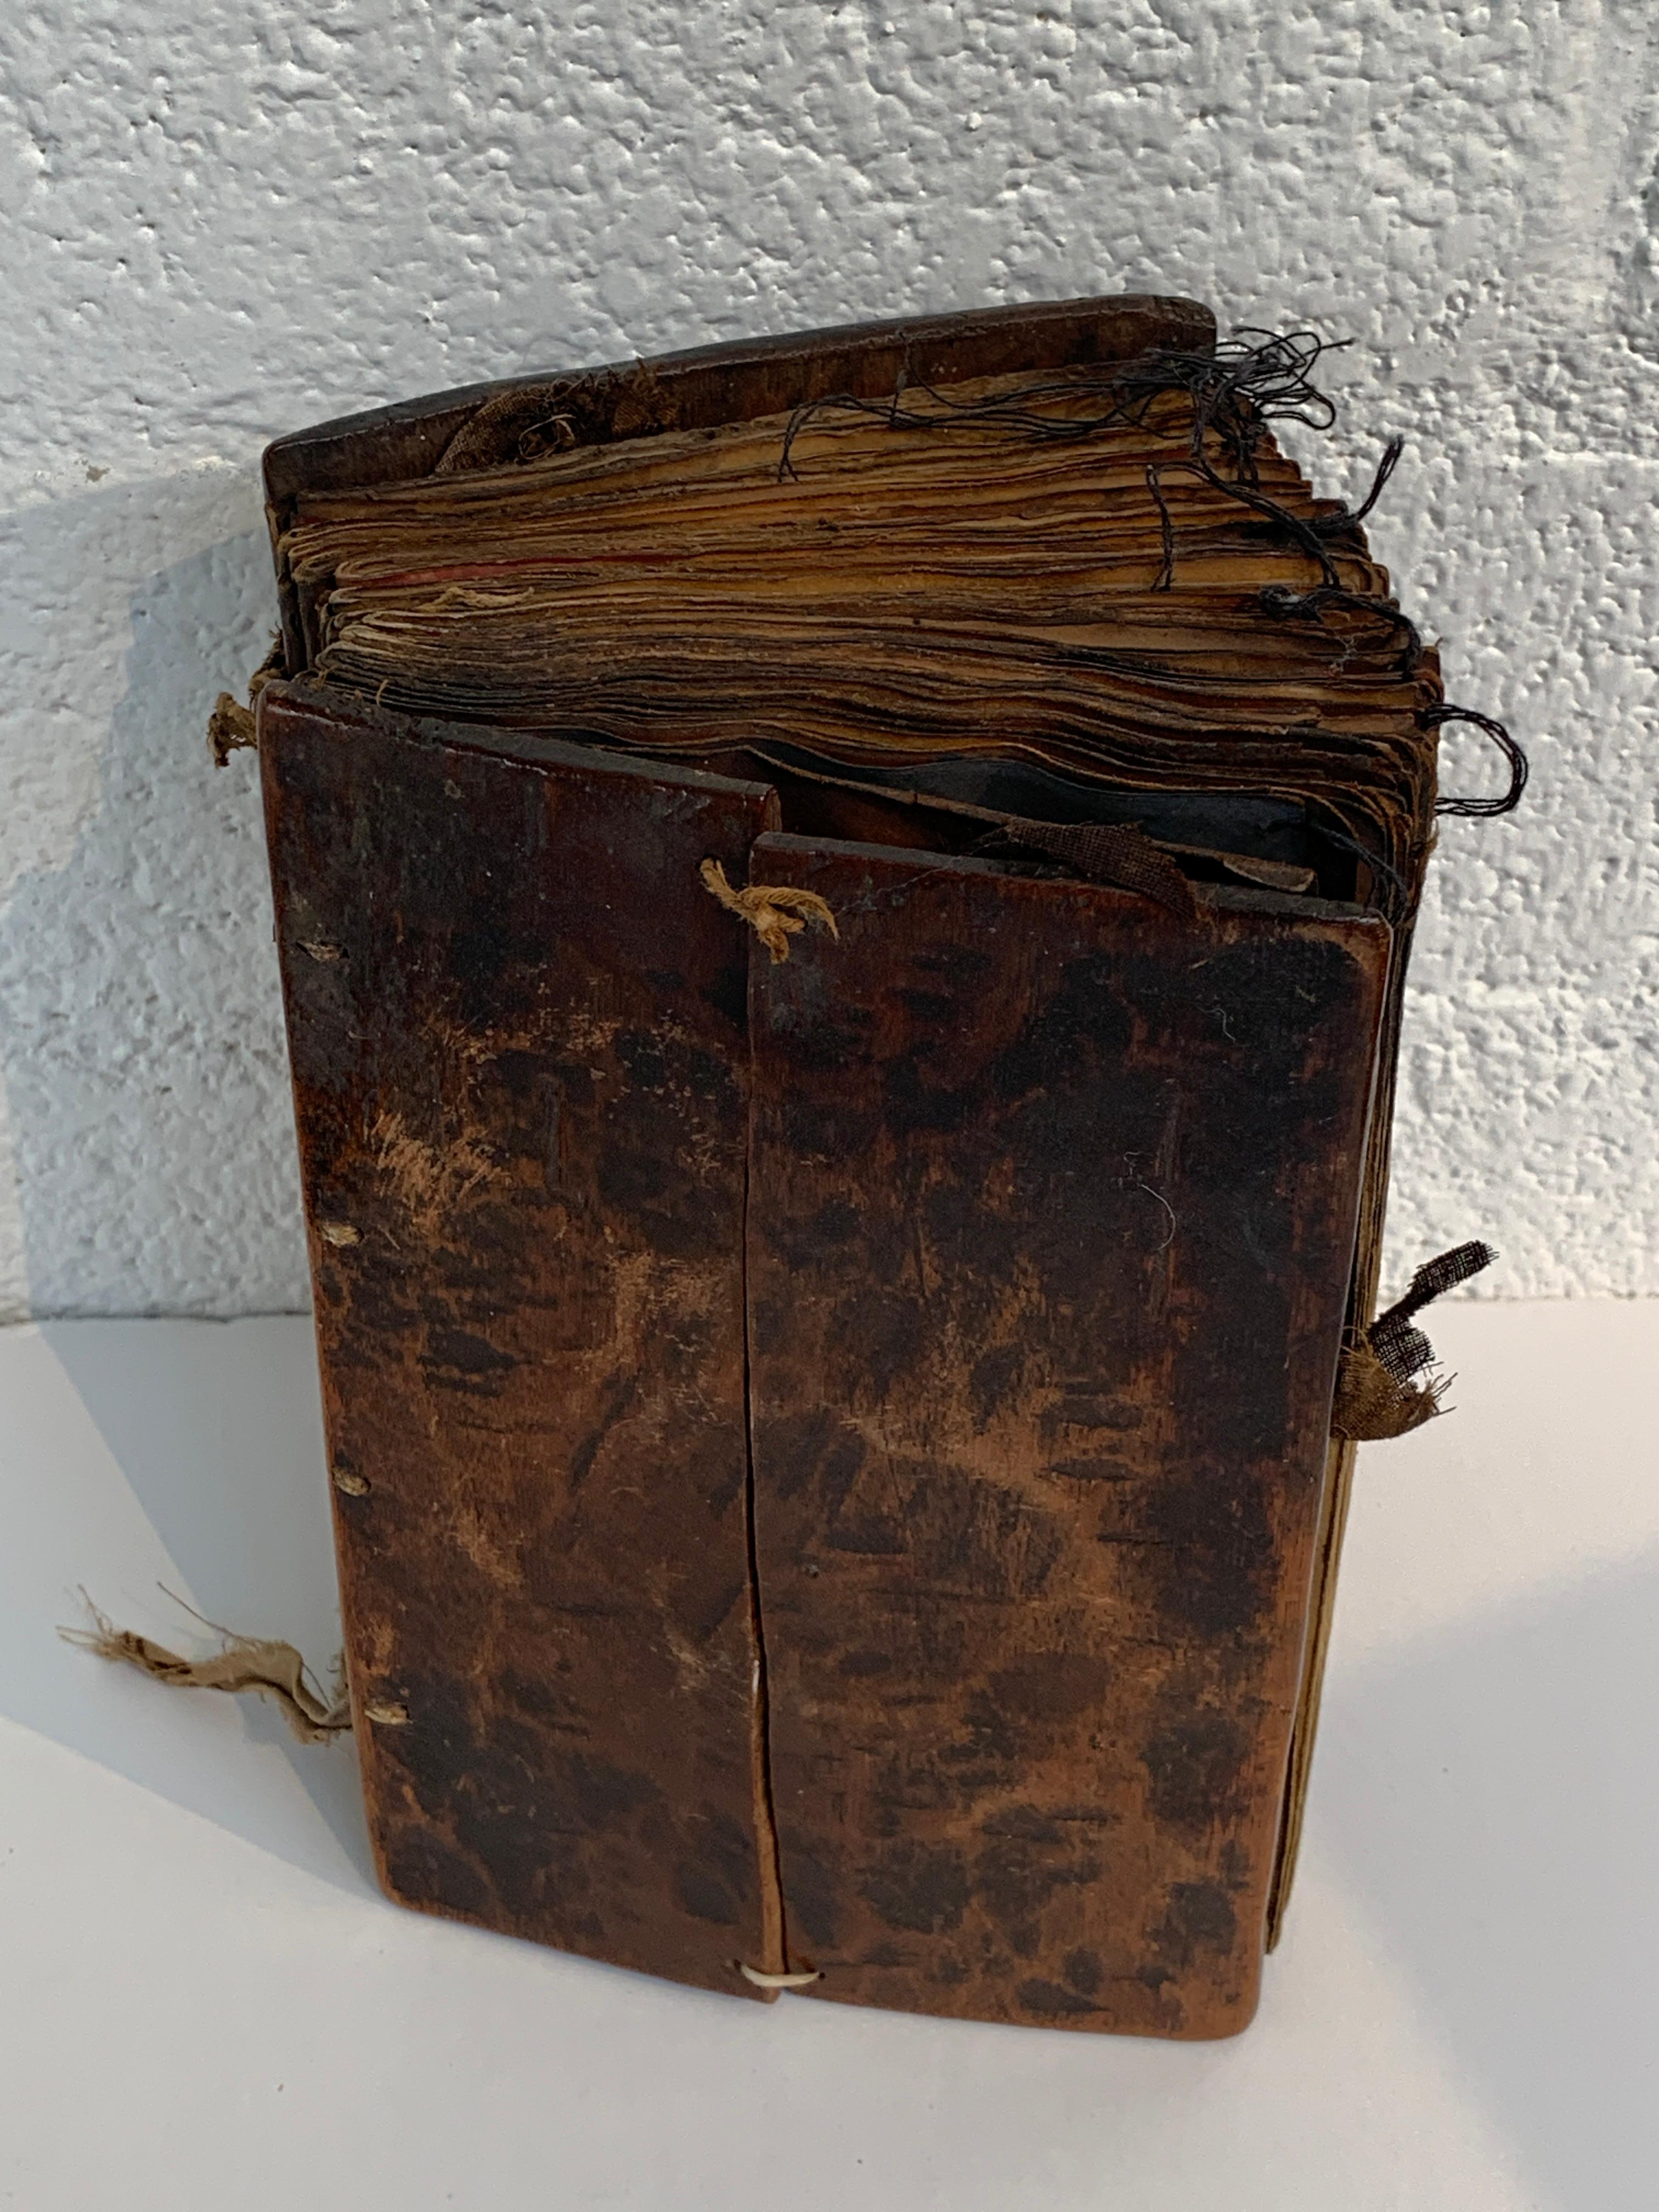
pixel 1310 532
pixel 1484 810
pixel 1374 861
pixel 1235 391
pixel 1251 379
pixel 1385 469
pixel 1279 600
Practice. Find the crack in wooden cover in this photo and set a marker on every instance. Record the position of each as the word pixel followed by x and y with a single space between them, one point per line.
pixel 517 1024
pixel 1052 1210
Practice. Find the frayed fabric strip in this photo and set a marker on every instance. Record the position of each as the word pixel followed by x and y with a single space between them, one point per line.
pixel 1378 1392
pixel 268 1667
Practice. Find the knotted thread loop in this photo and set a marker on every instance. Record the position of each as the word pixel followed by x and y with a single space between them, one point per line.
pixel 762 1981
pixel 775 912
pixel 1434 718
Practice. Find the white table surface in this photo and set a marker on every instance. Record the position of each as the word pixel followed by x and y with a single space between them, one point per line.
pixel 205 2003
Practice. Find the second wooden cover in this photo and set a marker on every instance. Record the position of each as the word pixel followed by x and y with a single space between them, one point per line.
pixel 1052 1215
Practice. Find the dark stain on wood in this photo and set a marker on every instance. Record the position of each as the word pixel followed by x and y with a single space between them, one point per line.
pixel 532 1343
pixel 1036 1485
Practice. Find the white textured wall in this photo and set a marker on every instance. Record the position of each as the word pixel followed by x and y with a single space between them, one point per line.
pixel 228 218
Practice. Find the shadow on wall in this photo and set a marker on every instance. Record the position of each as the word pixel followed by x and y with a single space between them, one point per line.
pixel 1496 1794
pixel 140 1020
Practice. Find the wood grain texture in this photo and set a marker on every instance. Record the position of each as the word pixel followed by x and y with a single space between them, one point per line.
pixel 742 378
pixel 517 1025
pixel 1052 1221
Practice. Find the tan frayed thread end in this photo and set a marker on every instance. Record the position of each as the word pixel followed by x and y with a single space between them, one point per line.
pixel 1372 1405
pixel 775 1981
pixel 268 1669
pixel 775 912
pixel 230 726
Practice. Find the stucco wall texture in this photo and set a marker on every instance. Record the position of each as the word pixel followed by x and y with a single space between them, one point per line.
pixel 227 219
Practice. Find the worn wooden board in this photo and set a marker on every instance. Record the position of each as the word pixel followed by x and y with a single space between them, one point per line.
pixel 1051 1219
pixel 734 381
pixel 517 1032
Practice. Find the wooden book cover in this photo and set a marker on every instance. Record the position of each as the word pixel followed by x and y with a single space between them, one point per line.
pixel 519 1036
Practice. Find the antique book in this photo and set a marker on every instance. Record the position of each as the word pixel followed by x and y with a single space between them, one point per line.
pixel 842 905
